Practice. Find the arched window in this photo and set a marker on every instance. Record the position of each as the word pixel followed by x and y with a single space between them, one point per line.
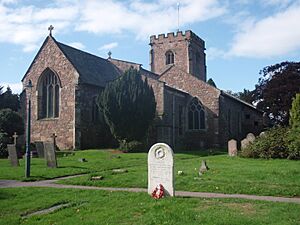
pixel 48 95
pixel 169 57
pixel 196 115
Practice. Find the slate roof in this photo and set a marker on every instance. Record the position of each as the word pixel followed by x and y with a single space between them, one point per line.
pixel 92 69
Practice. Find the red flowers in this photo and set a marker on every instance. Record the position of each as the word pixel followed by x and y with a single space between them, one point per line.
pixel 158 192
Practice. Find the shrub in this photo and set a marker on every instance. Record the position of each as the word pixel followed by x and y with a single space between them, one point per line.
pixel 294 144
pixel 4 140
pixel 132 146
pixel 11 122
pixel 128 105
pixel 274 144
pixel 294 133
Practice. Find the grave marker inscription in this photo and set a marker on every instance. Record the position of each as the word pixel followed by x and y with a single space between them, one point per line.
pixel 161 168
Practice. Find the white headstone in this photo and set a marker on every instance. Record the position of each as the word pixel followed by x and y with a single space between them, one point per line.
pixel 232 147
pixel 161 168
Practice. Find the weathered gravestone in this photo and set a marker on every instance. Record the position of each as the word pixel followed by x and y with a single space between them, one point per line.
pixel 161 168
pixel 232 147
pixel 50 155
pixel 249 139
pixel 12 155
pixel 40 149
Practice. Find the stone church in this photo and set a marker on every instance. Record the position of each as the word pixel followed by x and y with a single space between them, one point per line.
pixel 190 113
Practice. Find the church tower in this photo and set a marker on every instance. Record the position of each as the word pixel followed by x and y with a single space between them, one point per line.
pixel 185 51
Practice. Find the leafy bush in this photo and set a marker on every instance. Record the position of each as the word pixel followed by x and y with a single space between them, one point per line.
pixel 132 146
pixel 4 140
pixel 294 133
pixel 274 144
pixel 294 144
pixel 11 122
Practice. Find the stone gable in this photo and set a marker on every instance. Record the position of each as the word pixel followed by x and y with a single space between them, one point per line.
pixel 50 56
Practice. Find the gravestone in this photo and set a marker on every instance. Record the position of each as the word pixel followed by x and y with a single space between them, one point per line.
pixel 15 136
pixel 161 168
pixel 232 147
pixel 203 168
pixel 246 141
pixel 250 137
pixel 50 154
pixel 262 134
pixel 40 149
pixel 12 155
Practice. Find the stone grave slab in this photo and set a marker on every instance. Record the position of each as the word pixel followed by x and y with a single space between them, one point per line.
pixel 161 168
pixel 50 155
pixel 40 149
pixel 12 155
pixel 232 147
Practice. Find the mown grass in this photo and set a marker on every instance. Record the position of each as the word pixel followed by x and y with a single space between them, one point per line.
pixel 104 207
pixel 226 175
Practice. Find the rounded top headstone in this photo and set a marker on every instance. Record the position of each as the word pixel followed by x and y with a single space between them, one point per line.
pixel 160 152
pixel 250 137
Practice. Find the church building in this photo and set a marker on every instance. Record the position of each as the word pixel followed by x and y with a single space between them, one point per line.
pixel 190 113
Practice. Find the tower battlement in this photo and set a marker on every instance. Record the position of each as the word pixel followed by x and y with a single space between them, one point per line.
pixel 178 36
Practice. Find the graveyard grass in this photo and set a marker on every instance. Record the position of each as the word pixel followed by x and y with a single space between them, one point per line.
pixel 104 207
pixel 226 174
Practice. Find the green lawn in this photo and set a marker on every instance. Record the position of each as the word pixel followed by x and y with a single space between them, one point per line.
pixel 104 207
pixel 226 175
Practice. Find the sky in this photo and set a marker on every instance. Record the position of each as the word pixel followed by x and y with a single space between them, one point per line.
pixel 241 36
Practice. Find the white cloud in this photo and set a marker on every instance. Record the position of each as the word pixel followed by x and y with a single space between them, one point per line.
pixel 77 45
pixel 109 46
pixel 144 18
pixel 15 87
pixel 27 25
pixel 272 36
pixel 213 53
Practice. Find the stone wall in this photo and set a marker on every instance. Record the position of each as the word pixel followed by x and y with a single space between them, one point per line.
pixel 237 119
pixel 63 126
pixel 92 128
pixel 188 52
pixel 208 96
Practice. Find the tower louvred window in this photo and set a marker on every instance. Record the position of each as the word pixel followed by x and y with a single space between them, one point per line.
pixel 169 57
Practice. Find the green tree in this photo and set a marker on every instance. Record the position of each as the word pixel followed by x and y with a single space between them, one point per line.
pixel 128 106
pixel 9 100
pixel 211 82
pixel 11 122
pixel 294 133
pixel 276 88
pixel 295 113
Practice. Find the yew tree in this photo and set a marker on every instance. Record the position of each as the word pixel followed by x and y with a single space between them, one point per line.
pixel 128 106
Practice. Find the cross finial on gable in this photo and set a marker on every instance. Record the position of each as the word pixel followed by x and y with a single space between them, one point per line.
pixel 50 28
pixel 109 54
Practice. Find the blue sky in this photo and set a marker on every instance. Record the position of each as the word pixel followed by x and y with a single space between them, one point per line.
pixel 242 36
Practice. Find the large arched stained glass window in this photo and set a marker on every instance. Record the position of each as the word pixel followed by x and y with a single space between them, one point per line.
pixel 169 57
pixel 196 115
pixel 49 92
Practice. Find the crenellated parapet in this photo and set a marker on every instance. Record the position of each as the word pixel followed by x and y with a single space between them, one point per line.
pixel 176 37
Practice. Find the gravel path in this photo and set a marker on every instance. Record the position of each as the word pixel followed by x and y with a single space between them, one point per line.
pixel 51 183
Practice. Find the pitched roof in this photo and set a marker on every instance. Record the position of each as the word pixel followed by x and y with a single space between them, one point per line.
pixel 92 69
